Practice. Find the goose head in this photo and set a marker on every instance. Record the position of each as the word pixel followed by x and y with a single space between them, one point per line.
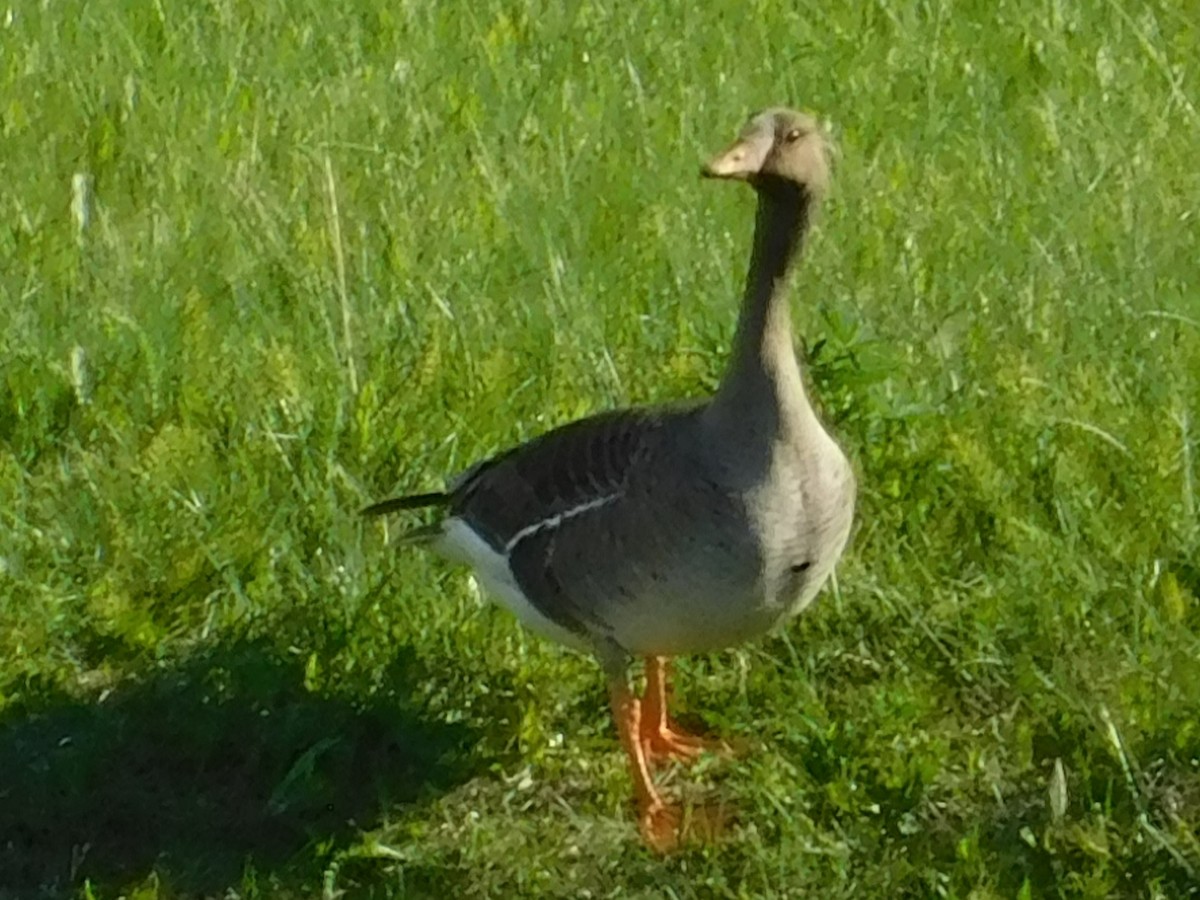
pixel 777 148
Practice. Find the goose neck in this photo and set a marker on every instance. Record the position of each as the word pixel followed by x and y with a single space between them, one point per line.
pixel 763 367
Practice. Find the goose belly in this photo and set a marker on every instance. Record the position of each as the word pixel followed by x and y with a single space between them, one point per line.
pixel 706 617
pixel 725 602
pixel 690 584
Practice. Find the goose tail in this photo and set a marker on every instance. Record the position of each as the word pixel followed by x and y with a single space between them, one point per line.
pixel 422 534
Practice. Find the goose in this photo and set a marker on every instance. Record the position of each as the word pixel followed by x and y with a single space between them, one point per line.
pixel 657 532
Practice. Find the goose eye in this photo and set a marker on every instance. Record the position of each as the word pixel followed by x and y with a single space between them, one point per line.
pixel 794 135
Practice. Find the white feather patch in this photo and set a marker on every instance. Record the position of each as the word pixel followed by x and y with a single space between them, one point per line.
pixel 461 543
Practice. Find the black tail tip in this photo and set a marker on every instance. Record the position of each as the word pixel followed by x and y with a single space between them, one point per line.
pixel 412 501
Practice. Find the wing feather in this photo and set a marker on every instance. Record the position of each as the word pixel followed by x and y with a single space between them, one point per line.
pixel 561 472
pixel 518 501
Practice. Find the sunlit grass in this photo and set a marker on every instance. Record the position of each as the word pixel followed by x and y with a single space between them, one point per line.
pixel 266 262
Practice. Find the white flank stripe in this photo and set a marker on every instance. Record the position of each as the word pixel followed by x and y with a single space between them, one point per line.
pixel 460 542
pixel 556 520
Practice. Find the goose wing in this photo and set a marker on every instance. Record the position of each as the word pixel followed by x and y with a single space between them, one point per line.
pixel 584 480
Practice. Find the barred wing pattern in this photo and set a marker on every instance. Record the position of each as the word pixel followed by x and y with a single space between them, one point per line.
pixel 519 501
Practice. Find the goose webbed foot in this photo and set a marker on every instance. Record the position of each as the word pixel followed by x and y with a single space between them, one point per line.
pixel 663 826
pixel 661 739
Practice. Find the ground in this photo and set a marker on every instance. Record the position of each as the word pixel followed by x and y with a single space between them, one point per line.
pixel 267 262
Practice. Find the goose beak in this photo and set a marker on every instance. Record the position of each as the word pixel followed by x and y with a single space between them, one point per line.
pixel 740 161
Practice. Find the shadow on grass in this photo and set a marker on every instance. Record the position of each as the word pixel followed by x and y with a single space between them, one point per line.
pixel 201 770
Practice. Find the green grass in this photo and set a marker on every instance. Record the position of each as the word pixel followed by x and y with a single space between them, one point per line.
pixel 339 249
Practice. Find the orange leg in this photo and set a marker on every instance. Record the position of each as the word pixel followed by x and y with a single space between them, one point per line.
pixel 658 822
pixel 661 739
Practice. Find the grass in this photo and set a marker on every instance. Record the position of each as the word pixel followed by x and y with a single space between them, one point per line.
pixel 265 262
